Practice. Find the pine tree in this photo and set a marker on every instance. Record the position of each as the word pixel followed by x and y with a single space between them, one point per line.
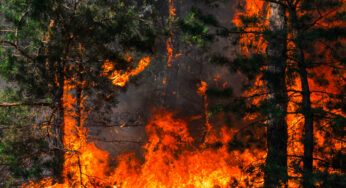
pixel 24 151
pixel 307 25
pixel 276 162
pixel 47 43
pixel 310 42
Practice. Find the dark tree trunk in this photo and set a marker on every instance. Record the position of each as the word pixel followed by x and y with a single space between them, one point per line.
pixel 59 125
pixel 308 125
pixel 276 162
pixel 306 106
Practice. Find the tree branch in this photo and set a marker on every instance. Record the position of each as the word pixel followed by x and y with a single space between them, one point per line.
pixel 21 51
pixel 119 141
pixel 25 104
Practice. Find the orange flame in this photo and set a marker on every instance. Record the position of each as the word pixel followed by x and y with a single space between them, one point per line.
pixel 120 79
pixel 172 161
pixel 252 43
pixel 169 44
pixel 84 163
pixel 252 8
pixel 201 91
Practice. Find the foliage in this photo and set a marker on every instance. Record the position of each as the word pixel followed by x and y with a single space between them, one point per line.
pixel 45 44
pixel 24 151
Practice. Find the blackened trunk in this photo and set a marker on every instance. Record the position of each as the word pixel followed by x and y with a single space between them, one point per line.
pixel 276 162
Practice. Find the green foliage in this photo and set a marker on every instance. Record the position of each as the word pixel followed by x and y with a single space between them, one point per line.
pixel 57 39
pixel 194 28
pixel 24 153
pixel 46 43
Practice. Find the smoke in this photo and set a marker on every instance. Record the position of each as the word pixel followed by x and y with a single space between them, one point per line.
pixel 160 86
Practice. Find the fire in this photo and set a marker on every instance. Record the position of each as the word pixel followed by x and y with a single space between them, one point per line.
pixel 169 43
pixel 202 88
pixel 171 160
pixel 172 156
pixel 169 52
pixel 253 43
pixel 120 79
pixel 201 91
pixel 84 163
pixel 252 8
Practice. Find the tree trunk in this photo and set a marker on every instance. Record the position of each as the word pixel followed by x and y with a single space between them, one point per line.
pixel 306 106
pixel 308 125
pixel 59 125
pixel 276 162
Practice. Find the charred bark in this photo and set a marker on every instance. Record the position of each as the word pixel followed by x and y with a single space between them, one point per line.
pixel 276 161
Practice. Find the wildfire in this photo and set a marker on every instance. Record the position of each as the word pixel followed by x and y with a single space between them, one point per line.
pixel 171 156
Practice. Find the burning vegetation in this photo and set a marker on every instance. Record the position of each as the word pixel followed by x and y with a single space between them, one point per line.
pixel 279 123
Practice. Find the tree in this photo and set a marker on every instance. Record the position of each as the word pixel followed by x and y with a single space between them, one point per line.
pixel 307 25
pixel 301 40
pixel 276 162
pixel 269 66
pixel 50 45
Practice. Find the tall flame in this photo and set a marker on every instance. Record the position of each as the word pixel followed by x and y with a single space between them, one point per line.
pixel 172 161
